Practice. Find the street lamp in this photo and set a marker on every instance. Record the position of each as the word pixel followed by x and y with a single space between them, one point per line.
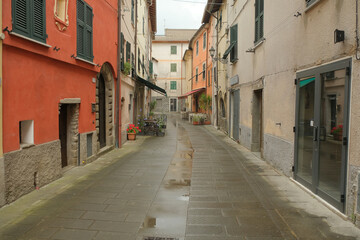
pixel 212 55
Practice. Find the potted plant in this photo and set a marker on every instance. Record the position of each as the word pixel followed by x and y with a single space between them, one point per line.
pixel 152 108
pixel 132 131
pixel 337 132
pixel 127 68
pixel 196 119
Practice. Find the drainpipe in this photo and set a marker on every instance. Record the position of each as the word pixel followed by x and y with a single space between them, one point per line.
pixel 217 71
pixel 118 85
pixel 136 99
pixel 357 30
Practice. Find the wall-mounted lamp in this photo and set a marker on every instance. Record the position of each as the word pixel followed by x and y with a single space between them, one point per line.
pixel 212 55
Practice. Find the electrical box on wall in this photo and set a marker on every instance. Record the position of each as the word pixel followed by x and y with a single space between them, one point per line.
pixel 339 36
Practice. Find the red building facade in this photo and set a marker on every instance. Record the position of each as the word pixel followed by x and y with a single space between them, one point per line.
pixel 59 80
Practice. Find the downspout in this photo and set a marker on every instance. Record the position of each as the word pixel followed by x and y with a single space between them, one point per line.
pixel 118 85
pixel 217 71
pixel 181 75
pixel 357 30
pixel 135 63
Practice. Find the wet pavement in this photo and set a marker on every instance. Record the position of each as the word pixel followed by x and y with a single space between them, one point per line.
pixel 192 184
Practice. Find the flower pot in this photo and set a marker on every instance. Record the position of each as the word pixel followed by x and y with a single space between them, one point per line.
pixel 207 122
pixel 131 136
pixel 196 123
pixel 337 137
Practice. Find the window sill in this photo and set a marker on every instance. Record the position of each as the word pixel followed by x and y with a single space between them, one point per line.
pixel 30 39
pixel 26 145
pixel 86 61
pixel 259 43
pixel 311 5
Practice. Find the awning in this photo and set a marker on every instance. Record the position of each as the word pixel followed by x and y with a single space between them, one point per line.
pixel 305 82
pixel 227 52
pixel 151 85
pixel 191 92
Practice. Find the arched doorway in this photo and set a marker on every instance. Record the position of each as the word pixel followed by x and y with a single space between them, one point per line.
pixel 105 106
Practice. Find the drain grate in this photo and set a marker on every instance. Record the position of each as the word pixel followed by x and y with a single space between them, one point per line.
pixel 159 238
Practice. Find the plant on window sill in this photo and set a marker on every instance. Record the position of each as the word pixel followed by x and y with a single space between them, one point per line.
pixel 127 68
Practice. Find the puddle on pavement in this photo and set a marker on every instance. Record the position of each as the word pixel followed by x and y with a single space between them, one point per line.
pixel 168 212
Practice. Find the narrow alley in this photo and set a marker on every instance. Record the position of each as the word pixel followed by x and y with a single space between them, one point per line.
pixel 193 184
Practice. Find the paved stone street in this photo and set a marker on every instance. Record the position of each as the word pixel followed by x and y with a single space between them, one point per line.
pixel 193 184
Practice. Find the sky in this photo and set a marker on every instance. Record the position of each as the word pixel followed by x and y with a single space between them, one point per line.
pixel 179 14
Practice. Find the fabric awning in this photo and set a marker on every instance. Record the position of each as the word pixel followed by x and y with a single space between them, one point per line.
pixel 227 52
pixel 151 85
pixel 192 92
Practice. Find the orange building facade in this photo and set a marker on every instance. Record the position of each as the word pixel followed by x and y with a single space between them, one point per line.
pixel 201 67
pixel 59 80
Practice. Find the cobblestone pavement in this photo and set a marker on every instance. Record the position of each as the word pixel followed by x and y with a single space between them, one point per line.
pixel 192 184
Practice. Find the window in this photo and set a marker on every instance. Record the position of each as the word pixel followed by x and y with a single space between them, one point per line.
pixel 29 19
pixel 173 50
pixel 197 47
pixel 220 19
pixel 139 60
pixel 310 2
pixel 204 40
pixel 233 42
pixel 132 11
pixel 173 67
pixel 84 31
pixel 259 20
pixel 203 71
pixel 143 64
pixel 173 85
pixel 209 79
pixel 122 42
pixel 222 106
pixel 197 74
pixel 151 68
pixel 143 26
pixel 26 132
pixel 128 52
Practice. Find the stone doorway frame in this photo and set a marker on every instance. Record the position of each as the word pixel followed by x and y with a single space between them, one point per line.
pixel 107 73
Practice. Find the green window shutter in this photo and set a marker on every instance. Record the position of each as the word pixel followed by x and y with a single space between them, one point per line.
pixel 259 20
pixel 204 71
pixel 173 67
pixel 173 50
pixel 151 67
pixel 29 18
pixel 173 85
pixel 139 60
pixel 143 64
pixel 84 35
pixel 122 42
pixel 197 74
pixel 234 39
pixel 204 40
pixel 132 11
pixel 38 20
pixel 21 16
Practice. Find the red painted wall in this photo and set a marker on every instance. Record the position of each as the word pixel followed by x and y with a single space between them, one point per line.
pixel 35 77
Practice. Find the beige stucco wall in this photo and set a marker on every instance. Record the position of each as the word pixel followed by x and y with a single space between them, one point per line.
pixel 127 82
pixel 292 44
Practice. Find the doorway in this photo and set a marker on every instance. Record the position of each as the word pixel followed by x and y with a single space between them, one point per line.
pixel 257 144
pixel 102 112
pixel 173 105
pixel 68 133
pixel 322 100
pixel 63 126
pixel 235 114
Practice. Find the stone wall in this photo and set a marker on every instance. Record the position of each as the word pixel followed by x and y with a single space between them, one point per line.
pixel 2 182
pixel 84 158
pixel 162 104
pixel 31 167
pixel 279 153
pixel 352 196
pixel 245 136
